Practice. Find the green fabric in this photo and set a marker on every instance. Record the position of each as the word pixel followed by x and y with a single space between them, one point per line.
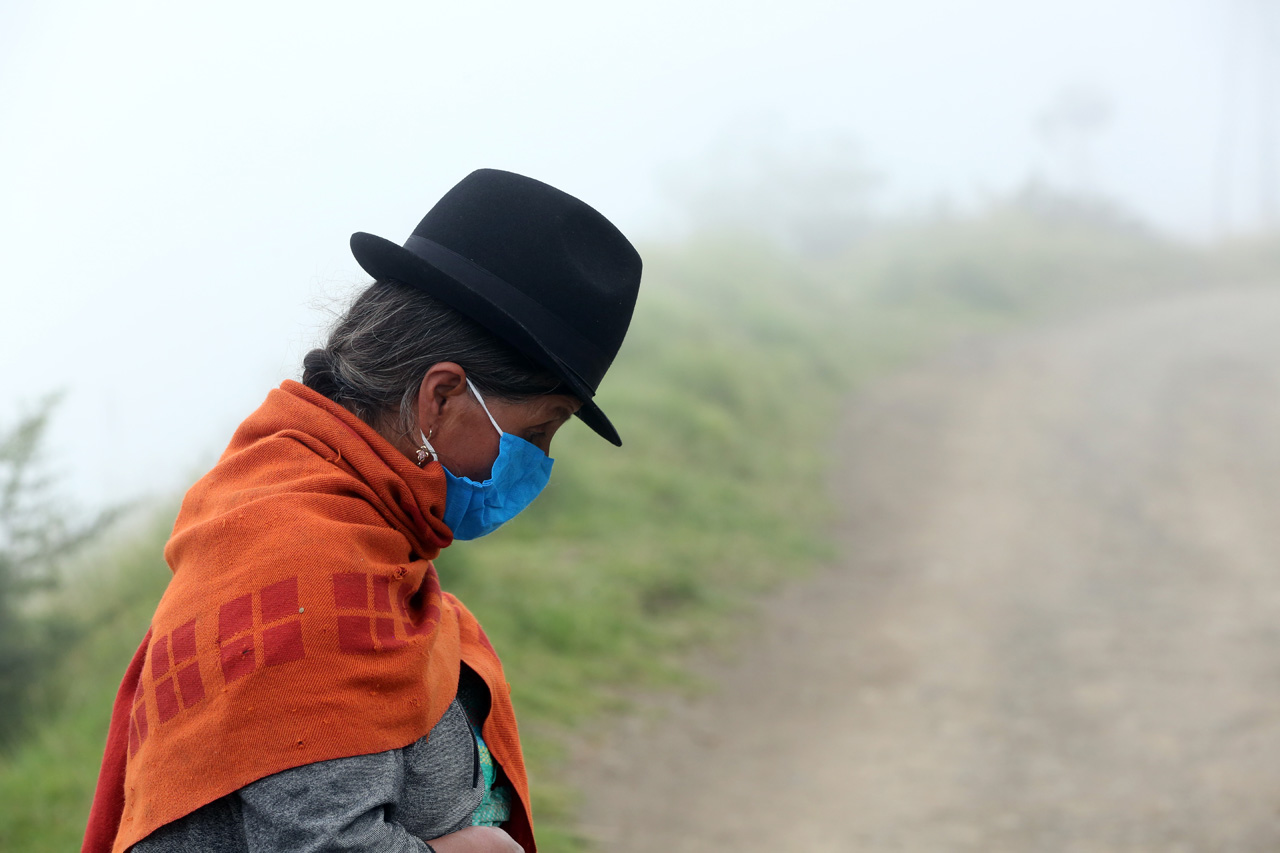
pixel 495 806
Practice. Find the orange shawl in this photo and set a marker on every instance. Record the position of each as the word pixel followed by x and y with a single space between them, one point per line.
pixel 304 622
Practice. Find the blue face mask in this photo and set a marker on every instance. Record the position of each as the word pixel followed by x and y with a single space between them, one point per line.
pixel 519 475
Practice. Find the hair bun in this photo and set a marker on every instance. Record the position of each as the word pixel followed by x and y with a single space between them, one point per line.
pixel 317 373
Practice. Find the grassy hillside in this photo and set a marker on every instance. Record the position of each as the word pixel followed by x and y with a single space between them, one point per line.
pixel 726 396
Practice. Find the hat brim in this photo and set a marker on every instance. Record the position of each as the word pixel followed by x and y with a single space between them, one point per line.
pixel 385 260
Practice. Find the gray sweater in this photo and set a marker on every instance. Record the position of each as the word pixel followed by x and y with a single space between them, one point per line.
pixel 389 802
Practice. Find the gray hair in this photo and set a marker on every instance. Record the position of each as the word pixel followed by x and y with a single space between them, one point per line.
pixel 379 350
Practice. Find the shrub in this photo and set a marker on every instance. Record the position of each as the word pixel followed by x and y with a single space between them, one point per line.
pixel 35 535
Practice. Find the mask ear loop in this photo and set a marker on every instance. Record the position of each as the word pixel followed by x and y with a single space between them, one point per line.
pixel 426 449
pixel 483 406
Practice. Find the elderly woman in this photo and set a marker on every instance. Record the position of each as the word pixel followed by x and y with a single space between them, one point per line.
pixel 306 685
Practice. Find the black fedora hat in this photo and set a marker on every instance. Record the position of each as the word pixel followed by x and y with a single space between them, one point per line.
pixel 535 266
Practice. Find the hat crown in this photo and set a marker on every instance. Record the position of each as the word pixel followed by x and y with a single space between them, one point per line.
pixel 547 244
pixel 536 267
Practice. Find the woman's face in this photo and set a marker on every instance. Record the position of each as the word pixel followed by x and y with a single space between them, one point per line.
pixel 461 432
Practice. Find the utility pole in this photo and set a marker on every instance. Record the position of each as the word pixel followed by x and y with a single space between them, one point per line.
pixel 1223 174
pixel 1250 114
pixel 1267 60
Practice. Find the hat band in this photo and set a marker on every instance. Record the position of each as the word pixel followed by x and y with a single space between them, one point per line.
pixel 571 351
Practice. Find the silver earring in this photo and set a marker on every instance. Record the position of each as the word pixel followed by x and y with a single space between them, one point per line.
pixel 426 450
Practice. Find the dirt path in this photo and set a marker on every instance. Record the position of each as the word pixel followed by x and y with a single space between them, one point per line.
pixel 1056 626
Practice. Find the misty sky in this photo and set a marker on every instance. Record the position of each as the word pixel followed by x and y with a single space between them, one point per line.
pixel 178 181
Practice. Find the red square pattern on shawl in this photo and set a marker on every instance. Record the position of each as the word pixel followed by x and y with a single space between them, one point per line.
pixel 138 719
pixel 176 673
pixel 272 638
pixel 367 621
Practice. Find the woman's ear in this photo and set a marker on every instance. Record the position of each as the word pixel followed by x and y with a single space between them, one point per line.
pixel 442 383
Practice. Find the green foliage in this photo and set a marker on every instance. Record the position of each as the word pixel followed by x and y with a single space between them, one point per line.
pixel 1029 255
pixel 35 535
pixel 46 784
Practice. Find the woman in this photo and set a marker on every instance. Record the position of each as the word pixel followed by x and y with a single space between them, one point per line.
pixel 306 684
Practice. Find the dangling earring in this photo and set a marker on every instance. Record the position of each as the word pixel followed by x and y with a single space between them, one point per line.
pixel 426 450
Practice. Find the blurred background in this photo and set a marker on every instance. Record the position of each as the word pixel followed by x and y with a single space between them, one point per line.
pixel 826 194
pixel 179 182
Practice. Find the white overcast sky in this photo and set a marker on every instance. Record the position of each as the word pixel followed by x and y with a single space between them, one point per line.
pixel 178 180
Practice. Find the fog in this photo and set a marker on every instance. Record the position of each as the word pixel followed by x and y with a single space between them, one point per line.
pixel 178 182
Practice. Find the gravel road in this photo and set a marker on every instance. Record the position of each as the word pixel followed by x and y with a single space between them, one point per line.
pixel 1055 625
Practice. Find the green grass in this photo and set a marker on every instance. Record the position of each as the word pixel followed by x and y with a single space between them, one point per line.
pixel 47 784
pixel 727 395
